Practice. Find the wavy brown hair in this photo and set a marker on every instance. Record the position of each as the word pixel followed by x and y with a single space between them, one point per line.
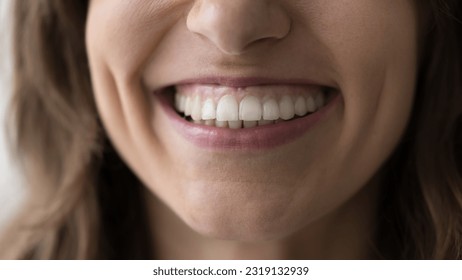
pixel 83 197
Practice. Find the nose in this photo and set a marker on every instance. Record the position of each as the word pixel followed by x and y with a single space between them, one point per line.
pixel 234 25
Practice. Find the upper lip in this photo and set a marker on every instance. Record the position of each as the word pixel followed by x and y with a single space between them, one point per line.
pixel 239 82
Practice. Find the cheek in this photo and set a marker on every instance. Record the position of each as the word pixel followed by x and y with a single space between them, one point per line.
pixel 120 38
pixel 124 34
pixel 375 52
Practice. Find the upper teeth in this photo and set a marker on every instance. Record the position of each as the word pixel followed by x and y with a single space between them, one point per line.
pixel 216 109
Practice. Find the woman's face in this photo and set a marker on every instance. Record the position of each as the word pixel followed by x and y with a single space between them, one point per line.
pixel 251 119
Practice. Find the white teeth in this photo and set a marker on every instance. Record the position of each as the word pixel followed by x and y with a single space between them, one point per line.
pixel 319 100
pixel 286 108
pixel 196 108
pixel 208 110
pixel 221 124
pixel 310 104
pixel 249 124
pixel 300 106
pixel 210 122
pixel 179 102
pixel 187 106
pixel 250 109
pixel 270 110
pixel 250 112
pixel 265 122
pixel 227 109
pixel 235 124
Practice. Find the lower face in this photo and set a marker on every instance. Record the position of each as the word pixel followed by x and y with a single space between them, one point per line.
pixel 247 138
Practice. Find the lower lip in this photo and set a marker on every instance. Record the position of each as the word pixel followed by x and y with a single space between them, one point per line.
pixel 256 138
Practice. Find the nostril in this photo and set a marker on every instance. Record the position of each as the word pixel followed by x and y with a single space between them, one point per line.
pixel 234 26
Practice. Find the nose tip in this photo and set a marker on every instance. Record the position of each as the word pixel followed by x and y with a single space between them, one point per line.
pixel 234 25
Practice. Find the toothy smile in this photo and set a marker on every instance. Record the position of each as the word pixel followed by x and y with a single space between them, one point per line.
pixel 247 107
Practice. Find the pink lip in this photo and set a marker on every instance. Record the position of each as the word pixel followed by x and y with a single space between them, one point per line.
pixel 247 81
pixel 257 138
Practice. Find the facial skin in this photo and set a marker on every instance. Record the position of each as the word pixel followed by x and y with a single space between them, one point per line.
pixel 367 50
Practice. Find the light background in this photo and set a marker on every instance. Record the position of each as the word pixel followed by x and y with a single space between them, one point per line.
pixel 11 191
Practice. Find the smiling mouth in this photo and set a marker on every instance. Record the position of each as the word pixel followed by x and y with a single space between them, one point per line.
pixel 247 107
pixel 235 116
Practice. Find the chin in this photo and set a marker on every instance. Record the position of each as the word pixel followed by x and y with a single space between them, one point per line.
pixel 233 216
pixel 244 229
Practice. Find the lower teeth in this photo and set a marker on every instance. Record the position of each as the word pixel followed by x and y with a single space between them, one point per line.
pixel 235 124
